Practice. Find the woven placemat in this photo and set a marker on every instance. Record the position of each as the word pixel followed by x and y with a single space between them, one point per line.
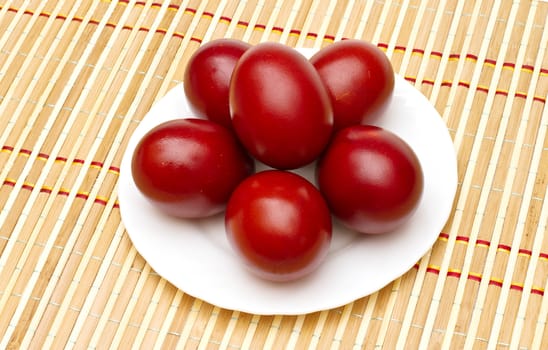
pixel 76 77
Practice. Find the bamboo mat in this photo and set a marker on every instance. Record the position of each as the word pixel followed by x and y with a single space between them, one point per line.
pixel 76 77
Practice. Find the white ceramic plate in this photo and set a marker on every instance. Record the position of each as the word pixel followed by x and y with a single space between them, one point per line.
pixel 195 256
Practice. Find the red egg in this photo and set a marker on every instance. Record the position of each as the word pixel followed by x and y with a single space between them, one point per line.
pixel 371 179
pixel 189 167
pixel 279 224
pixel 359 78
pixel 280 108
pixel 207 78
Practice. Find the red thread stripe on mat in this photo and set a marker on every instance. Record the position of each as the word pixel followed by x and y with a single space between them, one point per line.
pixel 464 83
pixel 225 19
pixel 25 152
pixel 82 195
pixel 62 192
pixel 482 88
pixel 242 24
pixel 474 276
pixel 477 277
pixel 433 269
pixel 46 189
pixel 484 243
pixel 525 252
pixel 156 5
pixel 293 31
pixel 517 286
pixel 462 239
pixel 502 92
pixel 101 200
pixel 539 291
pixel 495 282
pixel 453 273
pixel 504 248
pixel 436 54
pixel 60 159
pixel 527 68
pixel 96 164
pixel 490 62
pixel 479 88
pixel 162 31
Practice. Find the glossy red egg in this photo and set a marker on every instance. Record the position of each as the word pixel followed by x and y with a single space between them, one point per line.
pixel 279 225
pixel 371 178
pixel 188 168
pixel 280 108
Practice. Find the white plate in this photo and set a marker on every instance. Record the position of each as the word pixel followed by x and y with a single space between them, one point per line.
pixel 195 256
